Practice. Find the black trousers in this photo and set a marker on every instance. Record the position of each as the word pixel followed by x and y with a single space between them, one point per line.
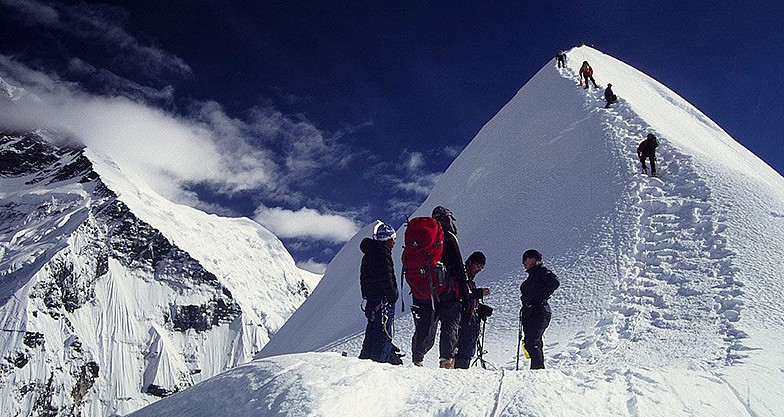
pixel 652 157
pixel 466 341
pixel 535 322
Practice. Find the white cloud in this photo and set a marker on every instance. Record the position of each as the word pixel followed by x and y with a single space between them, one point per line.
pixel 417 184
pixel 452 151
pixel 164 150
pixel 413 177
pixel 270 152
pixel 313 266
pixel 415 161
pixel 307 223
pixel 305 146
pixel 274 153
pixel 410 177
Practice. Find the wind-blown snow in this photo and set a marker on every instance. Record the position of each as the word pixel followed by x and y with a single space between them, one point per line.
pixel 670 299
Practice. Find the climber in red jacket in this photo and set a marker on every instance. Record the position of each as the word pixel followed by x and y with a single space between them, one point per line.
pixel 586 72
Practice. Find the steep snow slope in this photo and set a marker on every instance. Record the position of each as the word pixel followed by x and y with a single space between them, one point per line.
pixel 668 303
pixel 255 265
pixel 111 296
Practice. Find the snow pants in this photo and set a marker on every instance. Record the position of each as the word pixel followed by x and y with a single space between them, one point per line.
pixel 466 341
pixel 535 322
pixel 377 344
pixel 447 311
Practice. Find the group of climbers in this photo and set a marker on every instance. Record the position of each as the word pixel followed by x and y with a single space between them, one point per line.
pixel 647 148
pixel 444 292
pixel 443 286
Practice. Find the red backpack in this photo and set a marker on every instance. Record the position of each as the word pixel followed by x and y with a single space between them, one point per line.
pixel 424 244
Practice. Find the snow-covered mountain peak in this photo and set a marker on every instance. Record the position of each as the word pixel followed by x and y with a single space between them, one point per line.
pixel 670 293
pixel 112 296
pixel 14 94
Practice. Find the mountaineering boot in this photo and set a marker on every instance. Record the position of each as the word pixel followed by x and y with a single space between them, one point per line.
pixel 447 363
pixel 419 364
pixel 394 359
pixel 462 363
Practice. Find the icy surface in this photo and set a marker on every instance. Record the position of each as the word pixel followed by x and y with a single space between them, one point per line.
pixel 670 300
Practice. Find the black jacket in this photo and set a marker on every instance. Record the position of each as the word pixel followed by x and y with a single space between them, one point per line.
pixel 647 147
pixel 537 288
pixel 377 273
pixel 608 94
pixel 470 302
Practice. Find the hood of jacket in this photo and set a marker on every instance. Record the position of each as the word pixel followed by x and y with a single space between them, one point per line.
pixel 370 246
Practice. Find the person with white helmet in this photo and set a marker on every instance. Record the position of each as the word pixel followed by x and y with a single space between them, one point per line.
pixel 379 290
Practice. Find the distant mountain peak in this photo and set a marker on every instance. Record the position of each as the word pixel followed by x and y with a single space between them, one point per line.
pixel 102 302
pixel 9 92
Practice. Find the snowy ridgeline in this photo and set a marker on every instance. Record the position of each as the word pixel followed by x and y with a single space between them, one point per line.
pixel 112 297
pixel 670 288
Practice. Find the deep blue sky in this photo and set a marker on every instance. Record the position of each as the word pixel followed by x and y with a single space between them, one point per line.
pixel 396 89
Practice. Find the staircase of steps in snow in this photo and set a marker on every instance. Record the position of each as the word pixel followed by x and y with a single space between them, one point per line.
pixel 680 263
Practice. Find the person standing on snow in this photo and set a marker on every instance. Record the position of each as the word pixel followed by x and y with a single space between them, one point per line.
pixel 609 96
pixel 447 308
pixel 535 313
pixel 647 150
pixel 586 72
pixel 379 290
pixel 469 317
pixel 560 59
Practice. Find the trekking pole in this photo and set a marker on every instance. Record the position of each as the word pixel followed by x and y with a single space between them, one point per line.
pixel 480 347
pixel 519 339
pixel 402 277
pixel 403 272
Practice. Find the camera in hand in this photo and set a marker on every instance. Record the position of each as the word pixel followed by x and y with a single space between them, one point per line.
pixel 484 311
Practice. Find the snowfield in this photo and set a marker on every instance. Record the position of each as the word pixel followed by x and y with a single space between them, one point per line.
pixel 670 300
